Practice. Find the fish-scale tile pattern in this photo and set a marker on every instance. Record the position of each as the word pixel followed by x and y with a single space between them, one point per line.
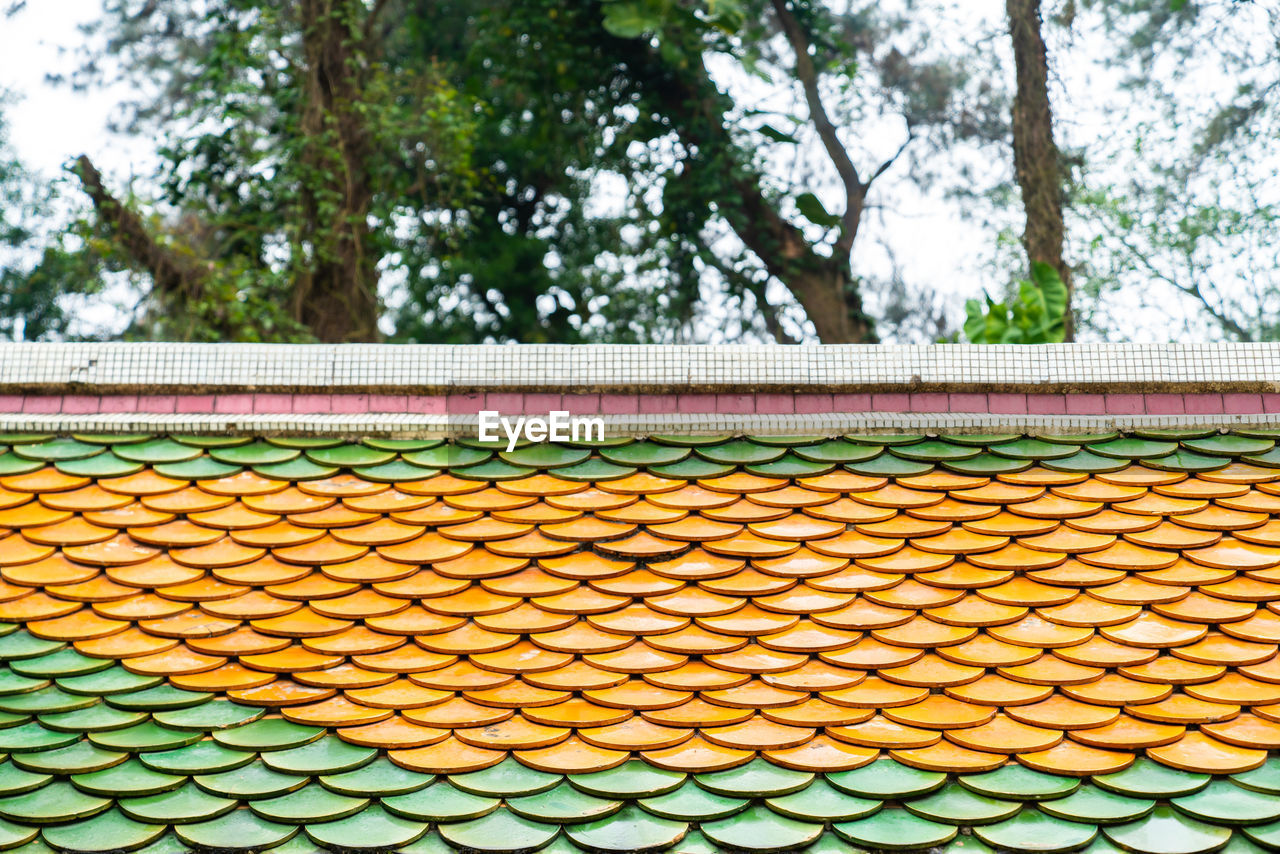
pixel 1072 637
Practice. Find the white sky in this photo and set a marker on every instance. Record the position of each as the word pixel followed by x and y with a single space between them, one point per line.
pixel 51 124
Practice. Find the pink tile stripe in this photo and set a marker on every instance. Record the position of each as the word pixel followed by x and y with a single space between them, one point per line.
pixel 1200 403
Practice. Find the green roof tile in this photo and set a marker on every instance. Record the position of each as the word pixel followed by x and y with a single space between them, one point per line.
pixel 56 449
pixel 300 468
pixel 837 451
pixel 33 737
pixel 11 463
pixel 373 829
pixel 545 455
pixel 312 802
pixel 632 779
pixel 109 831
pixel 101 465
pixel 757 778
pixel 760 829
pixel 741 452
pixel 694 468
pixel 1018 782
pixel 955 804
pixel 347 455
pixel 55 803
pixel 1148 779
pixel 268 734
pixel 1032 830
pixel 1223 802
pixel 128 778
pixel 441 802
pixel 1265 778
pixel 217 714
pixel 499 830
pixel 377 778
pixel 594 469
pixel 248 829
pixel 934 451
pixel 563 805
pixel 156 451
pixel 115 680
pixel 322 756
pixel 507 779
pixel 886 779
pixel 1166 831
pixel 691 802
pixel 631 828
pixel 887 465
pixel 251 781
pixel 14 780
pixel 183 805
pixel 645 454
pixel 821 802
pixel 98 718
pixel 144 737
pixel 393 472
pixel 159 698
pixel 895 830
pixel 1095 805
pixel 203 757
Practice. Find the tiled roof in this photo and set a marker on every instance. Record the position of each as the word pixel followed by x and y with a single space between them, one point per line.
pixel 683 643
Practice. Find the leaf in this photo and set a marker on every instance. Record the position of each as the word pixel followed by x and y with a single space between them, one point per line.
pixel 987 324
pixel 728 15
pixel 1053 288
pixel 975 322
pixel 629 19
pixel 1030 309
pixel 811 209
pixel 776 135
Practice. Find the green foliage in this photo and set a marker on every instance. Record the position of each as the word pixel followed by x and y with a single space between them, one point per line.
pixel 537 170
pixel 1034 316
pixel 813 210
pixel 43 258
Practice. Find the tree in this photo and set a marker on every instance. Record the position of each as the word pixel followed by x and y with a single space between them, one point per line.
pixel 42 256
pixel 1038 166
pixel 289 144
pixel 335 169
pixel 863 72
pixel 1183 224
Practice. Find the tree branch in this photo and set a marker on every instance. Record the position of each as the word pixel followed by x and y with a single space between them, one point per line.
pixel 1229 324
pixel 854 189
pixel 370 22
pixel 171 272
pixel 888 164
pixel 768 311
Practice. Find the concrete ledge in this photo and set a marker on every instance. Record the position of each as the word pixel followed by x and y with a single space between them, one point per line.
pixel 400 425
pixel 97 369
pixel 235 402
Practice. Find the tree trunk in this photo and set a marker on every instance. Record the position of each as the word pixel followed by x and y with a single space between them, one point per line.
pixel 1036 160
pixel 823 285
pixel 336 292
pixel 830 298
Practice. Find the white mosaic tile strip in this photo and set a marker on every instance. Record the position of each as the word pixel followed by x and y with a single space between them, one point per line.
pixel 830 424
pixel 1060 367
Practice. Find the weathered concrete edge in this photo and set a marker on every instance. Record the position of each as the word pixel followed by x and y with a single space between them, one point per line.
pixel 433 426
pixel 174 368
